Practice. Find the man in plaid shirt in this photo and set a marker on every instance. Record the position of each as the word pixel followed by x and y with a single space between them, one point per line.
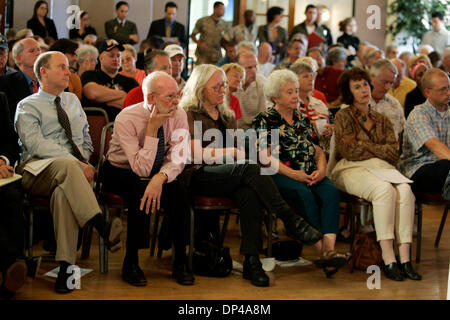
pixel 426 141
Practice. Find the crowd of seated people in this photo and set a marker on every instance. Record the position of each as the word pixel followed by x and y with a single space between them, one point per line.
pixel 342 100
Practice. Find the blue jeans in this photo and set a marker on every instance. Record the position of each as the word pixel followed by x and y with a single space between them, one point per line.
pixel 318 204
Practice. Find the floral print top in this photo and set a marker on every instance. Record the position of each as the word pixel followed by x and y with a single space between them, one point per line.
pixel 297 141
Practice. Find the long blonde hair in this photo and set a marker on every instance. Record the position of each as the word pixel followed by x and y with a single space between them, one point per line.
pixel 192 98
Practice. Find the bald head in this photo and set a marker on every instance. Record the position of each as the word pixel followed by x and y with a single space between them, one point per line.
pixel 158 83
pixel 430 77
pixel 264 53
pixel 436 86
pixel 25 53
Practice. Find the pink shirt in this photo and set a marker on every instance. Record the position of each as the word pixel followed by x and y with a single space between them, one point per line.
pixel 131 149
pixel 139 76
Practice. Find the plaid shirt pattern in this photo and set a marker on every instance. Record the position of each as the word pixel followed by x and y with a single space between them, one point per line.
pixel 424 123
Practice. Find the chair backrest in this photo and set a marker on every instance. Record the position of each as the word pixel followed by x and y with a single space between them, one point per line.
pixel 332 158
pixel 97 119
pixel 104 147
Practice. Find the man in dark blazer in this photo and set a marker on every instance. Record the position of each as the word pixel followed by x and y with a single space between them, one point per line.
pixel 168 27
pixel 11 220
pixel 22 83
pixel 121 29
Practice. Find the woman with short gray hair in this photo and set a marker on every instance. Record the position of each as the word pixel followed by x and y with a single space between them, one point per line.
pixel 316 111
pixel 87 58
pixel 301 165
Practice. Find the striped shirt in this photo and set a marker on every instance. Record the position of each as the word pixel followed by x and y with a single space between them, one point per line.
pixel 424 123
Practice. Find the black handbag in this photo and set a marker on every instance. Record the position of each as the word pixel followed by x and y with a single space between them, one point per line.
pixel 213 260
pixel 287 250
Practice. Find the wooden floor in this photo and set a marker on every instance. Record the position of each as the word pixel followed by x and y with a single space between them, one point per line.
pixel 287 283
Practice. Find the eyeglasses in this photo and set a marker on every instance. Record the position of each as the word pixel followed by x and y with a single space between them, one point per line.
pixel 219 86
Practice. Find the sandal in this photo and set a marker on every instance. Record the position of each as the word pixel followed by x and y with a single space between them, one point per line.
pixel 113 242
pixel 331 261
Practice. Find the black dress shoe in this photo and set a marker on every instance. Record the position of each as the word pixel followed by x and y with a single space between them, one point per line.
pixel 254 272
pixel 392 271
pixel 182 275
pixel 61 285
pixel 409 272
pixel 134 275
pixel 299 229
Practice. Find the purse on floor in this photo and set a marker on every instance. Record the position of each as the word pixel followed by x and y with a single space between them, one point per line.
pixel 366 252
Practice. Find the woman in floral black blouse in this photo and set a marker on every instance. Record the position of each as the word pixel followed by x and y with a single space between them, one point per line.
pixel 301 165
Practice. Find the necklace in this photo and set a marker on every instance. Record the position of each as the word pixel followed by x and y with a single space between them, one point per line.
pixel 364 118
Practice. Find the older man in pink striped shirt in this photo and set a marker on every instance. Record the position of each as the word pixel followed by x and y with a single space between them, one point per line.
pixel 147 152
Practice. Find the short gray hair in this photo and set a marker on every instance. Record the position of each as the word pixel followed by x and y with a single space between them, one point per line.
pixel 276 81
pixel 247 44
pixel 43 61
pixel 149 60
pixel 381 64
pixel 373 53
pixel 86 50
pixel 18 48
pixel 335 54
pixel 148 83
pixel 301 66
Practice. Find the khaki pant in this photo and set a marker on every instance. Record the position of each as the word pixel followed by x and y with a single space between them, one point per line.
pixel 393 204
pixel 72 202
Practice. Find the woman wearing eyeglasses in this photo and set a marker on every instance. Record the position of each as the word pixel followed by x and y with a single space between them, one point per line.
pixel 208 115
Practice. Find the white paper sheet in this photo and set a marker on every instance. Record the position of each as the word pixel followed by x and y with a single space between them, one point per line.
pixel 6 181
pixel 38 166
pixel 293 263
pixel 390 175
pixel 54 273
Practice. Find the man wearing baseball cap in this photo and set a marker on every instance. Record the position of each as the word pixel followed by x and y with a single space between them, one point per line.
pixel 105 87
pixel 177 57
pixel 4 68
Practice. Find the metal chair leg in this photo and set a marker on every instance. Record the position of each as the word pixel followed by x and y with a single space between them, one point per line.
pixel 103 252
pixel 269 237
pixel 30 230
pixel 191 239
pixel 224 227
pixel 154 234
pixel 419 232
pixel 441 227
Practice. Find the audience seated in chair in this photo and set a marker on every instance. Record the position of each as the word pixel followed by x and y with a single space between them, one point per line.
pixel 311 107
pixel 12 272
pixel 383 74
pixel 22 83
pixel 69 49
pixel 156 60
pixel 365 139
pixel 426 141
pixel 143 165
pixel 203 100
pixel 105 87
pixel 52 124
pixel 302 165
pixel 251 94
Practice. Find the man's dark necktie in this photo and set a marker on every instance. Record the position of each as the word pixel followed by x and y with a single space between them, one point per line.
pixel 159 153
pixel 65 124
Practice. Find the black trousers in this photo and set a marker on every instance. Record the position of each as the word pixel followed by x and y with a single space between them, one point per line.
pixel 12 225
pixel 431 177
pixel 174 200
pixel 251 193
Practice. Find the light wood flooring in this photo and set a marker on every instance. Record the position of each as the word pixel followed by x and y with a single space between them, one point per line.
pixel 287 283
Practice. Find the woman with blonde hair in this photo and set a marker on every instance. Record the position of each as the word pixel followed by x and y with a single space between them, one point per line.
pixel 204 101
pixel 235 78
pixel 129 58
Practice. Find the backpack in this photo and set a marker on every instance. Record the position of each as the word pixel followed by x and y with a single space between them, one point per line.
pixel 366 252
pixel 213 261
